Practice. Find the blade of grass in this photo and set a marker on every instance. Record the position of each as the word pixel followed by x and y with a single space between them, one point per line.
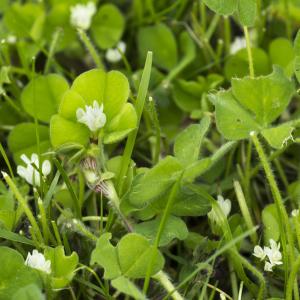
pixel 51 53
pixel 139 106
pixel 11 236
pixel 3 153
pixel 24 205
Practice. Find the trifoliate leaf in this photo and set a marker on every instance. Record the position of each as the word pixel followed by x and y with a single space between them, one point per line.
pixel 188 143
pixel 42 96
pixel 174 228
pixel 62 266
pixel 105 255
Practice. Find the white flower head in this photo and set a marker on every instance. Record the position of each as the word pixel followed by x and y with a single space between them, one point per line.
pixel 238 44
pixel 37 260
pixel 259 252
pixel 271 254
pixel 93 116
pixel 295 213
pixel 30 173
pixel 268 267
pixel 81 15
pixel 113 55
pixel 225 206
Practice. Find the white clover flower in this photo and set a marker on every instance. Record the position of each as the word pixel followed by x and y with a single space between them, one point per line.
pixel 268 267
pixel 93 116
pixel 295 213
pixel 225 206
pixel 259 252
pixel 272 254
pixel 81 15
pixel 113 55
pixel 30 173
pixel 238 44
pixel 37 260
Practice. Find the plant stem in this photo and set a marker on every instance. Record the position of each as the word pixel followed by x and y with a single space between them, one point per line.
pixel 143 88
pixel 291 280
pixel 262 288
pixel 250 57
pixel 285 229
pixel 244 209
pixel 25 206
pixel 51 53
pixel 90 47
pixel 227 35
pixel 56 233
pixel 167 284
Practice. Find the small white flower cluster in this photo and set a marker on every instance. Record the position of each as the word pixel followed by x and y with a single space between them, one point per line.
pixel 81 15
pixel 114 55
pixel 295 213
pixel 30 173
pixel 93 116
pixel 271 253
pixel 37 260
pixel 225 206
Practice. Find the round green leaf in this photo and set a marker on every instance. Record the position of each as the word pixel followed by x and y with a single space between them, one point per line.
pixel 276 50
pixel 174 228
pixel 247 12
pixel 222 7
pixel 121 124
pixel 238 66
pixel 160 40
pixel 22 140
pixel 265 96
pixel 25 20
pixel 42 96
pixel 233 121
pixel 63 131
pixel 107 26
pixel 135 252
pixel 14 274
pixel 270 220
pixel 29 292
pixel 187 94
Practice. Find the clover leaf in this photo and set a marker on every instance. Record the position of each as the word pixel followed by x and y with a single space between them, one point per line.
pixel 252 105
pixel 42 95
pixel 22 140
pixel 94 87
pixel 14 274
pixel 25 20
pixel 107 26
pixel 161 41
pixel 28 292
pixel 245 9
pixel 62 266
pixel 174 228
pixel 129 258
